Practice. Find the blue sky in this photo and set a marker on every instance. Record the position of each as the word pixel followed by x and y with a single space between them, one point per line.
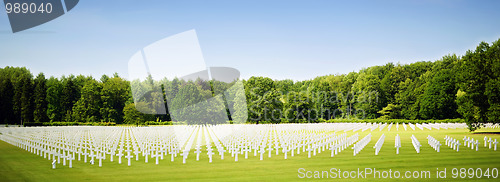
pixel 279 39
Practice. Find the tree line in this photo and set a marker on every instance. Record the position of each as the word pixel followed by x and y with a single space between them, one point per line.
pixel 27 99
pixel 464 87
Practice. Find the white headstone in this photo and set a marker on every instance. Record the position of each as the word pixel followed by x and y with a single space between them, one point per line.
pixel 210 153
pixel 261 151
pixel 120 154
pixel 397 143
pixel 309 149
pixel 495 143
pixel 269 149
pixel 128 156
pixel 485 141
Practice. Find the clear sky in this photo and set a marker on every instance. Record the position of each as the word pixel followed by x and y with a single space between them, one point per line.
pixel 279 39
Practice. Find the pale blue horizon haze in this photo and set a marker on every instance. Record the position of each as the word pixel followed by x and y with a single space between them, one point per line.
pixel 288 39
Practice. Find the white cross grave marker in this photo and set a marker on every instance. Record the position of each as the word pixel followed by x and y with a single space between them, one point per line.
pixel 128 158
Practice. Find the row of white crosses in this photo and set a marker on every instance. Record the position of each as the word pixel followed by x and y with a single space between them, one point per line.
pixel 419 126
pixel 416 143
pixel 220 147
pixel 361 127
pixel 397 143
pixel 435 144
pixel 452 143
pixel 379 144
pixel 287 140
pixel 96 144
pixel 51 143
pixel 292 140
pixel 198 147
pixel 187 147
pixel 470 142
pixel 382 126
pixel 372 126
pixel 361 144
pixel 342 143
pixel 491 125
pixel 215 138
pixel 490 142
pixel 433 125
pixel 412 126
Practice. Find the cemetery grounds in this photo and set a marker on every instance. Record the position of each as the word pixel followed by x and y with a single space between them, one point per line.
pixel 18 164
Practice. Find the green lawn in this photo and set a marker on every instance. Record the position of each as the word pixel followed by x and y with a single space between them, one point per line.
pixel 19 165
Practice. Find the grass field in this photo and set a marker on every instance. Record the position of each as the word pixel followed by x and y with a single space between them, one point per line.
pixel 19 165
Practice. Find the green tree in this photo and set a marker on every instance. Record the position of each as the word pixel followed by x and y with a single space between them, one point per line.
pixel 26 83
pixel 284 86
pixel 21 81
pixel 69 97
pixel 55 111
pixel 186 106
pixel 407 99
pixel 389 85
pixel 238 103
pixel 133 116
pixel 325 97
pixel 493 94
pixel 263 100
pixel 347 95
pixel 298 107
pixel 87 108
pixel 40 99
pixel 438 99
pixel 391 111
pixel 475 73
pixel 367 88
pixel 492 89
pixel 114 94
pixel 6 98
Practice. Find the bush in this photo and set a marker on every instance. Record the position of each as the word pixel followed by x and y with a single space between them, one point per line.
pixel 59 123
pixel 158 123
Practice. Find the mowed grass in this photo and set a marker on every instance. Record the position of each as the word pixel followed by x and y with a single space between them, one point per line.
pixel 19 165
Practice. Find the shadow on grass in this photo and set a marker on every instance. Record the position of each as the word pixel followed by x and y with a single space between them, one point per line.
pixel 487 133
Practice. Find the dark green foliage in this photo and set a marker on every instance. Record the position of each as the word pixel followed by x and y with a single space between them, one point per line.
pixel 478 82
pixel 467 88
pixel 54 104
pixel 40 101
pixel 367 89
pixel 69 96
pixel 87 107
pixel 26 98
pixel 391 111
pixel 394 121
pixel 263 100
pixel 408 98
pixel 132 116
pixel 325 99
pixel 114 94
pixel 439 96
pixel 299 108
pixel 6 99
pixel 184 108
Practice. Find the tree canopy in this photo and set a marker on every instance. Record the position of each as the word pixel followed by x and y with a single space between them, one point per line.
pixel 465 87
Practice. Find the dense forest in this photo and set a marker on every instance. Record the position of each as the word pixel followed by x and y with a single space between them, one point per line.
pixel 466 87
